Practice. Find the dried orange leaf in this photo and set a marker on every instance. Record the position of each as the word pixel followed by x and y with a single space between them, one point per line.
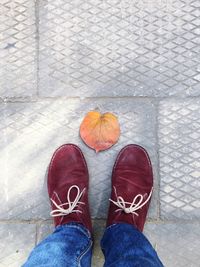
pixel 100 131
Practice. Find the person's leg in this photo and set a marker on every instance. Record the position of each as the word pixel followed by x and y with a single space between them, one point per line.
pixel 69 245
pixel 125 246
pixel 123 243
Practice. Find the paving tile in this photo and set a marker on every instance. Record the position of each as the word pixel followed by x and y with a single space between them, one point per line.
pixel 16 242
pixel 17 48
pixel 98 257
pixel 176 244
pixel 179 141
pixel 32 131
pixel 166 238
pixel 44 230
pixel 119 48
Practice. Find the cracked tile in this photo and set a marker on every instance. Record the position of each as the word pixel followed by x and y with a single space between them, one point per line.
pixel 16 242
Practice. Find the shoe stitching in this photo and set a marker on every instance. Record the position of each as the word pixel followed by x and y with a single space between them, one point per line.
pixel 83 253
pixel 54 192
pixel 74 146
pixel 122 150
pixel 72 205
pixel 54 155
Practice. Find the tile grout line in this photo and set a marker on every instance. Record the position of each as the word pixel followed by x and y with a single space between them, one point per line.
pixel 36 233
pixel 37 45
pixel 156 104
pixel 65 98
pixel 38 222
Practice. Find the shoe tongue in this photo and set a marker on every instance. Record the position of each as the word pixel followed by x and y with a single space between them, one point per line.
pixel 136 177
pixel 62 195
pixel 128 191
pixel 56 198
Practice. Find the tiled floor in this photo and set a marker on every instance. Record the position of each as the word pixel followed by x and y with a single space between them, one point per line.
pixel 138 59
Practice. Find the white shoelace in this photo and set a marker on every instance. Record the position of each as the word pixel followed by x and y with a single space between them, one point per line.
pixel 133 206
pixel 60 211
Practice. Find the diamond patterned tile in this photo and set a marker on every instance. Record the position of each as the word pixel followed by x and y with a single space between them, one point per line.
pixel 17 48
pixel 119 47
pixel 176 244
pixel 16 242
pixel 32 131
pixel 179 141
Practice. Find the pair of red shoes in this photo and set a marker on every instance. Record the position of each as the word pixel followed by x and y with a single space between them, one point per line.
pixel 132 184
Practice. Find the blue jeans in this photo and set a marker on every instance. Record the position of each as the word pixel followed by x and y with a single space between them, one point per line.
pixel 71 246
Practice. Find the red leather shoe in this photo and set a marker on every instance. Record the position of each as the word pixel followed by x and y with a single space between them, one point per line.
pixel 68 186
pixel 132 186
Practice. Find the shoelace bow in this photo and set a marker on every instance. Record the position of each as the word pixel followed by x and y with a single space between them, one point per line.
pixel 134 205
pixel 60 211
